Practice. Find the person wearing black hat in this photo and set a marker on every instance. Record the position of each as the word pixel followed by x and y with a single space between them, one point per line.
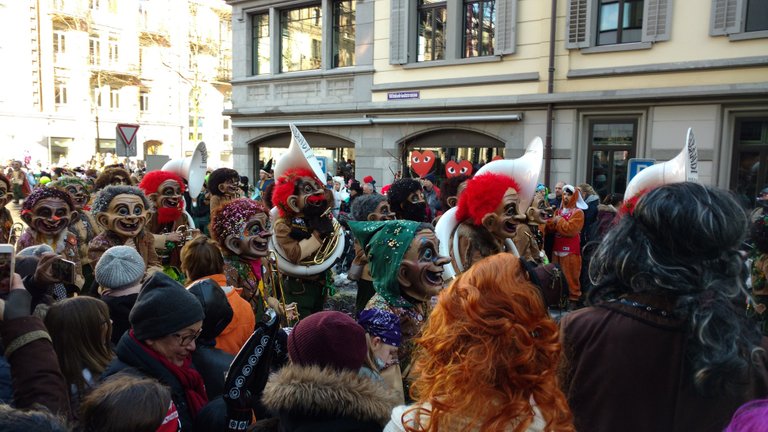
pixel 212 362
pixel 166 321
pixel 322 388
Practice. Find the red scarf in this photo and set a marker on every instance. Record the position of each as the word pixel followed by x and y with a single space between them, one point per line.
pixel 190 379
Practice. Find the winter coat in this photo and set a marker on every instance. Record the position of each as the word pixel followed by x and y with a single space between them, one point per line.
pixel 132 359
pixel 119 308
pixel 315 399
pixel 627 371
pixel 213 364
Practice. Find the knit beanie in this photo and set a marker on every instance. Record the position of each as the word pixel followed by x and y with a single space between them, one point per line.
pixel 328 339
pixel 162 307
pixel 120 267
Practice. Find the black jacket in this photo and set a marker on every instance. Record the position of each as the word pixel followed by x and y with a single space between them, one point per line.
pixel 119 308
pixel 213 364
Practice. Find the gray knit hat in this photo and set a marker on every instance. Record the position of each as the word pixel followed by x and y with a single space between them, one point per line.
pixel 120 267
pixel 163 306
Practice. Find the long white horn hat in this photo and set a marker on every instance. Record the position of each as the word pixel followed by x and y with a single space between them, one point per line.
pixel 683 167
pixel 524 170
pixel 299 155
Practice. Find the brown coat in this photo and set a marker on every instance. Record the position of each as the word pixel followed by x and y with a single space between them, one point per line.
pixel 144 244
pixel 625 370
pixel 295 250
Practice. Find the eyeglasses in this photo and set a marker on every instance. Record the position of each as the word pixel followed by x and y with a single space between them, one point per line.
pixel 186 340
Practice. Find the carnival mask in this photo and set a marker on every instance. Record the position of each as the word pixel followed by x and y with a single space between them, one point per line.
pixel 5 195
pixel 382 213
pixel 50 216
pixel 453 200
pixel 421 272
pixel 502 223
pixel 231 188
pixel 79 194
pixel 125 216
pixel 118 180
pixel 253 242
pixel 540 211
pixel 168 195
pixel 415 207
pixel 309 197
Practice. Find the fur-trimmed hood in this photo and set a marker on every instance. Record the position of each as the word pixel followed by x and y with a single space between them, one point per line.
pixel 311 391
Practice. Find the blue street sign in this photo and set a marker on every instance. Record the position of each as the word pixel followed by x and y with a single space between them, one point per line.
pixel 636 165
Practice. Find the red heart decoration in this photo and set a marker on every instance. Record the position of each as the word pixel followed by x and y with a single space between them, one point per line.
pixel 455 169
pixel 465 168
pixel 421 163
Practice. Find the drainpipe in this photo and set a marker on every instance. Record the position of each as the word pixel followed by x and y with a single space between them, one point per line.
pixel 550 90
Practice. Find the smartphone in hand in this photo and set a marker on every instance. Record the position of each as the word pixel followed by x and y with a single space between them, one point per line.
pixel 63 270
pixel 7 263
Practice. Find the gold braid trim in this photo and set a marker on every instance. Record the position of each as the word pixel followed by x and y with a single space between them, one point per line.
pixel 25 339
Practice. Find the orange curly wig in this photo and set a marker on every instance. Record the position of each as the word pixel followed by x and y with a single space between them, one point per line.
pixel 487 349
pixel 482 195
pixel 285 187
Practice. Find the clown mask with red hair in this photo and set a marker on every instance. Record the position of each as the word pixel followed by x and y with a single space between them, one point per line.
pixel 165 190
pixel 297 192
pixel 491 201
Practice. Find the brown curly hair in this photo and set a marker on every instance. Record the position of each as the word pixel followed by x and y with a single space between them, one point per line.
pixel 488 349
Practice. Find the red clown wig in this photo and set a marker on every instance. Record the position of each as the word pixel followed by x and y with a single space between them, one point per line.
pixel 482 195
pixel 285 186
pixel 154 179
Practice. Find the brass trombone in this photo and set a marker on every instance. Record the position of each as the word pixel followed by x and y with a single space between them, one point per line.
pixel 15 233
pixel 272 287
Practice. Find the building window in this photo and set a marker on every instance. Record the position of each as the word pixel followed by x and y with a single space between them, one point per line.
pixel 94 50
pixel 749 172
pixel 603 23
pixel 620 21
pixel 106 145
pixel 94 4
pixel 60 93
pixel 739 19
pixel 227 123
pixel 59 45
pixel 301 32
pixel 451 30
pixel 479 28
pixel 343 44
pixel 114 98
pixel 260 44
pixel 227 137
pixel 612 142
pixel 144 101
pixel 114 53
pixel 431 34
pixel 96 97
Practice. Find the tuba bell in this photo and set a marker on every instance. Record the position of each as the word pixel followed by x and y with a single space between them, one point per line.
pixel 272 286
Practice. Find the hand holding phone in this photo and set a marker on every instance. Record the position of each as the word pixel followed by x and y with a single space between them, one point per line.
pixel 7 264
pixel 64 271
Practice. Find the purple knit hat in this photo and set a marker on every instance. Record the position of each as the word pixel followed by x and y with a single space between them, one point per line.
pixel 328 339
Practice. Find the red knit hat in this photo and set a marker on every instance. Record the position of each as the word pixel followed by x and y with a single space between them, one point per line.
pixel 328 339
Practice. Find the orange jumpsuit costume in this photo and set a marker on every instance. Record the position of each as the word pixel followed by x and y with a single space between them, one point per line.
pixel 567 247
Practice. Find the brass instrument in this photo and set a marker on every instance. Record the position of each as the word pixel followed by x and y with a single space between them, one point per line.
pixel 272 286
pixel 187 234
pixel 327 249
pixel 15 233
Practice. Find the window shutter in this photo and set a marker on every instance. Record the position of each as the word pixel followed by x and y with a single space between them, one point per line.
pixel 506 24
pixel 578 23
pixel 726 17
pixel 658 18
pixel 398 32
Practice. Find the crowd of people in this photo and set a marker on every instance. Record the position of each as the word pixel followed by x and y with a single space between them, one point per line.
pixel 135 302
